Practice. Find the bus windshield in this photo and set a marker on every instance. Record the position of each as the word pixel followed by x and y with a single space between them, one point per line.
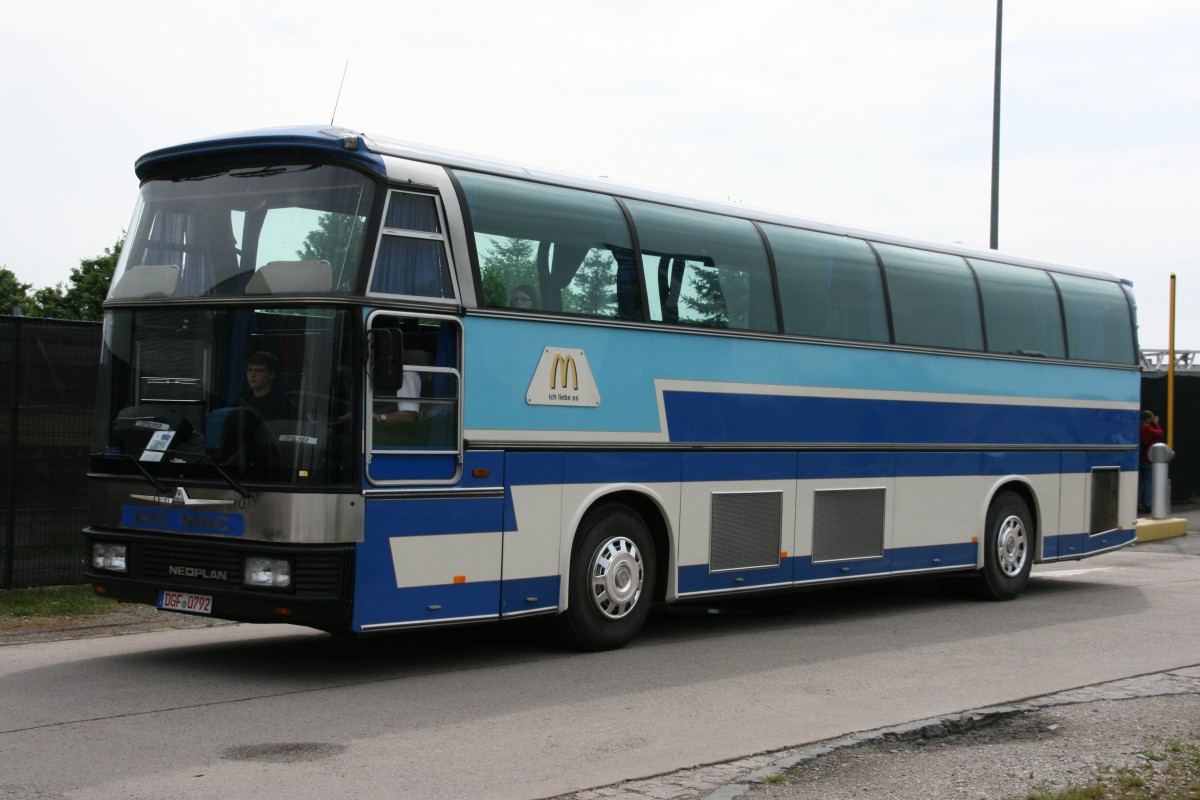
pixel 266 230
pixel 259 396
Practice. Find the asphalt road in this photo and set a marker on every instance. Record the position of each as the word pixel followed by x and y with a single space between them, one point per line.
pixel 502 711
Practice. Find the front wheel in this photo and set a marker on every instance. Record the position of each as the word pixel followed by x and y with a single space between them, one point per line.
pixel 1007 548
pixel 611 580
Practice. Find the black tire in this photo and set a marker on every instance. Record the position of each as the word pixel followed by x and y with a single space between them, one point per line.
pixel 1007 549
pixel 611 580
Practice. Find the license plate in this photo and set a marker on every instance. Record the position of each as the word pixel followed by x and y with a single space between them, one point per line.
pixel 185 601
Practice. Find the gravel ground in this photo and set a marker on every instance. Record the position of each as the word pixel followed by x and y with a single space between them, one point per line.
pixel 1038 750
pixel 128 618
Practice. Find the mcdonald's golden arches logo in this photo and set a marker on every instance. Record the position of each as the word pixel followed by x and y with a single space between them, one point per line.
pixel 563 378
pixel 562 368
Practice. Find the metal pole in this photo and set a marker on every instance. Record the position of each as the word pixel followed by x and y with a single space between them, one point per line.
pixel 1171 369
pixel 995 237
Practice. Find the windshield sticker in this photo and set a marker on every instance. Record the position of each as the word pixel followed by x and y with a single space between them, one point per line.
pixel 294 438
pixel 157 445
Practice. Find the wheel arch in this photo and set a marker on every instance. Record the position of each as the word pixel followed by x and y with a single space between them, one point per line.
pixel 652 509
pixel 1021 487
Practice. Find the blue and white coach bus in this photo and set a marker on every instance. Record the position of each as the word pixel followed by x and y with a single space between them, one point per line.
pixel 360 385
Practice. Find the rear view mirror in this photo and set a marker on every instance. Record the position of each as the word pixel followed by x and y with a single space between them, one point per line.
pixel 387 359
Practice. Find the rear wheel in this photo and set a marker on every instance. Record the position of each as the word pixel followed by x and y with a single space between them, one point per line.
pixel 1007 548
pixel 611 580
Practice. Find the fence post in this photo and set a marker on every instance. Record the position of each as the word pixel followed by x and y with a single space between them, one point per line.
pixel 10 528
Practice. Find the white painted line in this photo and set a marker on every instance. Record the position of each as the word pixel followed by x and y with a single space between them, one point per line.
pixel 1071 573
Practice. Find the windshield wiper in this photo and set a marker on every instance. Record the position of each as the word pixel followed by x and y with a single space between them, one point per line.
pixel 159 487
pixel 242 491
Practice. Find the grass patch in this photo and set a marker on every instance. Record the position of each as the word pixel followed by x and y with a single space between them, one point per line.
pixel 53 601
pixel 1171 770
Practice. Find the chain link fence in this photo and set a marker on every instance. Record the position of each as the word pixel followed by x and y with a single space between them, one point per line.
pixel 48 373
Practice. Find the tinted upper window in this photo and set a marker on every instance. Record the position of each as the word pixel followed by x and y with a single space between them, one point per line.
pixel 1021 310
pixel 412 254
pixel 548 248
pixel 829 286
pixel 1099 322
pixel 704 269
pixel 933 298
pixel 282 229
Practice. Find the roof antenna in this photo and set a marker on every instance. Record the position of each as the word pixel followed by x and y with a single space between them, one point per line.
pixel 339 94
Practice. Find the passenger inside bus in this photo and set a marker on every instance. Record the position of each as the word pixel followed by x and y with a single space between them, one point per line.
pixel 410 387
pixel 522 297
pixel 262 395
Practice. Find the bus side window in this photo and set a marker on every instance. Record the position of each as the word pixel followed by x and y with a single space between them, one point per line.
pixel 934 298
pixel 688 290
pixel 829 286
pixel 704 269
pixel 1099 323
pixel 419 411
pixel 1021 310
pixel 572 248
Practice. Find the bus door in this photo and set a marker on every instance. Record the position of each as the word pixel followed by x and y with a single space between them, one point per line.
pixel 432 543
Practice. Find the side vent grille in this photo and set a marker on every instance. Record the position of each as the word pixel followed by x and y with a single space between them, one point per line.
pixel 1105 488
pixel 848 524
pixel 746 530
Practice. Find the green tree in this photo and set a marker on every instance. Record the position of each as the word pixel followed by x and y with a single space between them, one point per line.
pixel 508 263
pixel 594 289
pixel 82 297
pixel 705 298
pixel 335 236
pixel 12 292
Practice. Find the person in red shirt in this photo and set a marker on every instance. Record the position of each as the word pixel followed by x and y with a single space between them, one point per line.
pixel 1151 434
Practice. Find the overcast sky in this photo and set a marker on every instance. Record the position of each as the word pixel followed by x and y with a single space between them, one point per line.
pixel 870 113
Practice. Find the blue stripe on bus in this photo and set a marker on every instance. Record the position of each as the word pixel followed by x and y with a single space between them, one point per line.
pixel 714 417
pixel 621 467
pixel 801 569
pixel 503 354
pixel 387 466
pixel 1077 545
pixel 816 466
pixel 935 556
pixel 400 516
pixel 584 467
pixel 1086 462
pixel 696 578
pixel 529 594
pixel 427 604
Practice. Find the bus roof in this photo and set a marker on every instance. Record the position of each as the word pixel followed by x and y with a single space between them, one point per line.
pixel 367 151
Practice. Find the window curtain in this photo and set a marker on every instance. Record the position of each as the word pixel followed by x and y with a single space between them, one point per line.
pixel 411 267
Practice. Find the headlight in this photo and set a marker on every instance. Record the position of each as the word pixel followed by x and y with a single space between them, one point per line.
pixel 273 572
pixel 109 556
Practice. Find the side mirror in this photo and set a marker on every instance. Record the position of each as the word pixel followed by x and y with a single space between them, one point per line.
pixel 386 359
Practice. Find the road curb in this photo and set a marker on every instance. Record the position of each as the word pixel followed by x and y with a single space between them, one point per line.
pixel 1182 680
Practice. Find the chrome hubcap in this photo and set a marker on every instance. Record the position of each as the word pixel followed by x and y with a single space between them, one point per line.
pixel 616 577
pixel 1012 546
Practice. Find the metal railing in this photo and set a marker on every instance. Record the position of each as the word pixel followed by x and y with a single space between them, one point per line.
pixel 1160 360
